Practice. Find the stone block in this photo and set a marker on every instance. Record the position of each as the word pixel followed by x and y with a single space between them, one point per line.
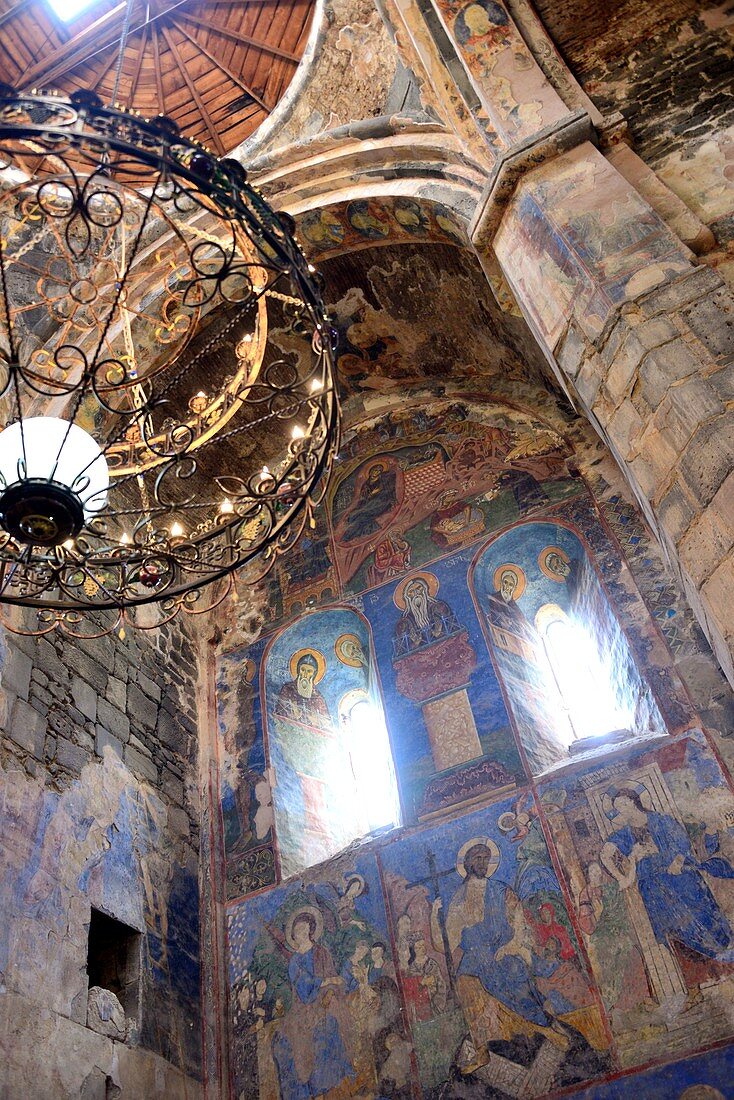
pixel 571 353
pixel 712 321
pixel 709 457
pixel 687 405
pixel 16 673
pixel 85 698
pixel 140 765
pixel 90 670
pixel 147 685
pixel 113 719
pixel 104 739
pixel 69 756
pixel 624 366
pixel 661 368
pixel 105 1014
pixel 116 693
pixel 27 728
pixel 657 331
pixel 170 733
pixel 701 282
pixel 589 379
pixel 142 710
pixel 676 512
pixel 624 427
pixel 719 594
pixel 705 545
pixel 49 662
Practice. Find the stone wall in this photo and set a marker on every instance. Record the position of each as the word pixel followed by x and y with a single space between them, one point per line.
pixel 100 809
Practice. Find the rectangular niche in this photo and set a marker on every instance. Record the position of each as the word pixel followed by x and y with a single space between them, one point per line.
pixel 113 960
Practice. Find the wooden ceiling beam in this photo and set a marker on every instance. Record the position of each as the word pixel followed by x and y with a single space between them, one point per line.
pixel 138 67
pixel 236 36
pixel 16 9
pixel 106 33
pixel 158 70
pixel 223 68
pixel 208 122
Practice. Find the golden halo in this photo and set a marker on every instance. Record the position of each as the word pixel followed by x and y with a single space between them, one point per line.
pixel 318 658
pixel 431 581
pixel 510 567
pixel 494 853
pixel 342 647
pixel 312 911
pixel 545 568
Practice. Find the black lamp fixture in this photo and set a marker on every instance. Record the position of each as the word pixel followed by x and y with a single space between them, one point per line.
pixel 167 380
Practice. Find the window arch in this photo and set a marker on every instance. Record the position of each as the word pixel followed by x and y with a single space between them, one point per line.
pixel 562 657
pixel 331 763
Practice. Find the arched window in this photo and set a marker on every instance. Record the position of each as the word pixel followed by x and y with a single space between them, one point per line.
pixel 331 766
pixel 370 758
pixel 586 697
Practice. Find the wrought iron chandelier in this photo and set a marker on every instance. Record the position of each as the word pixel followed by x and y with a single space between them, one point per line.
pixel 167 383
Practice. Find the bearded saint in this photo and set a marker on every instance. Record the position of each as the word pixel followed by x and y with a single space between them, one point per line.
pixel 300 700
pixel 424 620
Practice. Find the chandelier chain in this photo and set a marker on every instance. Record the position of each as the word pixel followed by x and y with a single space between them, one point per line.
pixel 121 53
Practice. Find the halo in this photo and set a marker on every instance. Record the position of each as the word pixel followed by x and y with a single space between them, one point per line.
pixel 248 670
pixel 510 567
pixel 431 581
pixel 312 911
pixel 318 658
pixel 353 876
pixel 493 851
pixel 340 649
pixel 507 821
pixel 545 568
pixel 640 789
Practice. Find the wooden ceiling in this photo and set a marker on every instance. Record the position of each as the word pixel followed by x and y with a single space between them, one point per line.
pixel 218 67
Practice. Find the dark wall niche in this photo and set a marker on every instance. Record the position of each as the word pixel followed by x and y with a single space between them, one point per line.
pixel 113 960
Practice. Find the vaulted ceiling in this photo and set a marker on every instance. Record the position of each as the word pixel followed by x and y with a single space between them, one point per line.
pixel 218 67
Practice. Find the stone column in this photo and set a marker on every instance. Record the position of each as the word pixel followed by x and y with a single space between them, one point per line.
pixel 642 340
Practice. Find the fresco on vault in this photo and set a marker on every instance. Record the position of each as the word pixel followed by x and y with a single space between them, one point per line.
pixel 315 1003
pixel 407 503
pixel 497 994
pixel 647 848
pixel 343 227
pixel 538 575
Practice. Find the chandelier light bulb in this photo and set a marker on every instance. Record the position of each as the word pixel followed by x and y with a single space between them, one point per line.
pixel 124 539
pixel 176 530
pixel 298 432
pixel 226 507
pixel 317 385
pixel 53 479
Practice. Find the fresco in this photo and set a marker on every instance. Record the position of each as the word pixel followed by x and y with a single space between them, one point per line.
pixel 540 600
pixel 343 227
pixel 498 998
pixel 519 99
pixel 647 850
pixel 458 477
pixel 313 673
pixel 449 727
pixel 581 243
pixel 106 842
pixel 315 1003
pixel 706 1077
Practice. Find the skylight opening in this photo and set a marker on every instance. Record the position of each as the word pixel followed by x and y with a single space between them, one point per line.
pixel 70 9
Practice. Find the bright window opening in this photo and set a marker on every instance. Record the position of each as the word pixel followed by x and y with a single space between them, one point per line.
pixel 70 9
pixel 582 681
pixel 375 788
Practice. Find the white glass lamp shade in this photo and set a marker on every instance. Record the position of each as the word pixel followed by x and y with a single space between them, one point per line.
pixel 51 465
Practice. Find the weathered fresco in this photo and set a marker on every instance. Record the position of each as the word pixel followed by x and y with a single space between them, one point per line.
pixel 314 998
pixel 497 994
pixel 362 223
pixel 647 849
pixel 578 239
pixel 430 516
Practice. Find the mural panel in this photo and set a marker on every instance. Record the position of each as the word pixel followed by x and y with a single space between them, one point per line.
pixel 647 848
pixel 315 1003
pixel 498 999
pixel 461 475
pixel 564 662
pixel 449 726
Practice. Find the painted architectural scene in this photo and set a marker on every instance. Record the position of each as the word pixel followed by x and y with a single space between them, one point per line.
pixel 497 993
pixel 315 1003
pixel 647 851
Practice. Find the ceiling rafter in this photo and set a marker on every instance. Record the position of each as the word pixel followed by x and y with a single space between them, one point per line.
pixel 138 66
pixel 236 36
pixel 203 111
pixel 223 68
pixel 15 10
pixel 157 68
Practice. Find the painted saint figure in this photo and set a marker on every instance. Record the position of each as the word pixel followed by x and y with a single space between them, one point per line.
pixel 425 618
pixel 652 852
pixel 376 497
pixel 299 699
pixel 308 1050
